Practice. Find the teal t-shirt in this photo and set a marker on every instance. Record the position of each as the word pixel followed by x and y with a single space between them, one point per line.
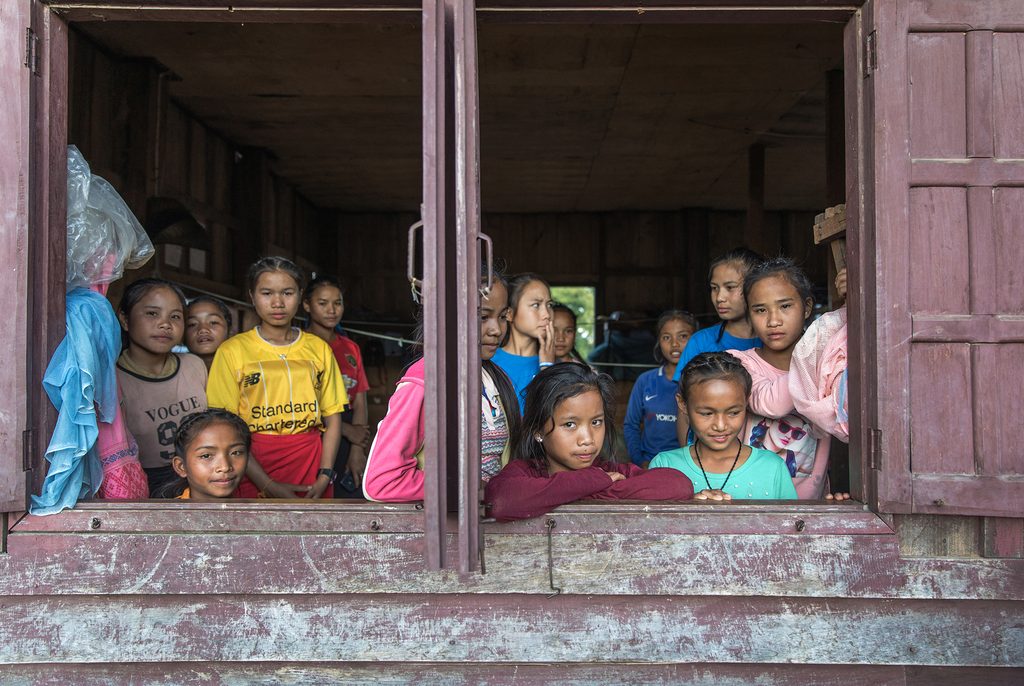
pixel 764 476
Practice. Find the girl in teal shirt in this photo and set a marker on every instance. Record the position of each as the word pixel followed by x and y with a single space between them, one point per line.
pixel 713 394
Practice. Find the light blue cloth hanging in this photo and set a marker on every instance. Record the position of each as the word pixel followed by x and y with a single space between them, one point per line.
pixel 80 380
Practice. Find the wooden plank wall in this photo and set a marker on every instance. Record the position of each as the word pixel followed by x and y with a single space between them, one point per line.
pixel 719 594
pixel 638 260
pixel 148 146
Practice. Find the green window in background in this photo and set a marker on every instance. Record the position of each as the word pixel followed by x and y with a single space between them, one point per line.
pixel 579 299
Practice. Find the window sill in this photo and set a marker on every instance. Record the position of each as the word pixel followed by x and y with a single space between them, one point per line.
pixel 594 517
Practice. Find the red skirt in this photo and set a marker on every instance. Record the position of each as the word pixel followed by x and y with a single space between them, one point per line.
pixel 293 459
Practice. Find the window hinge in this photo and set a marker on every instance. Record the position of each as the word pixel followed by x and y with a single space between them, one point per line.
pixel 32 51
pixel 870 53
pixel 26 449
pixel 875 449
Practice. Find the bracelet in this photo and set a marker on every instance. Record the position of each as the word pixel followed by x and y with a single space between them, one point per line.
pixel 545 365
pixel 329 473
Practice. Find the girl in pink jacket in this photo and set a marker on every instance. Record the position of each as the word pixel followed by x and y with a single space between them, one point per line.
pixel 779 303
pixel 394 467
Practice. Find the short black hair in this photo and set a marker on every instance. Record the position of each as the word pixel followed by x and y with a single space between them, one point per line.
pixel 225 311
pixel 550 387
pixel 273 264
pixel 710 366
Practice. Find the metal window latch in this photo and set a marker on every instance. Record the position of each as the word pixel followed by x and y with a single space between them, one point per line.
pixel 556 590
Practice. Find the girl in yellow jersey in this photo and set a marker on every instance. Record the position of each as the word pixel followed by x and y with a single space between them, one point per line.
pixel 286 385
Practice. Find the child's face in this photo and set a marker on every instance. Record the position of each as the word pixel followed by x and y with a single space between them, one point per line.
pixel 493 319
pixel 672 339
pixel 575 432
pixel 276 298
pixel 565 335
pixel 717 409
pixel 157 321
pixel 214 462
pixel 205 328
pixel 533 311
pixel 777 313
pixel 727 292
pixel 325 307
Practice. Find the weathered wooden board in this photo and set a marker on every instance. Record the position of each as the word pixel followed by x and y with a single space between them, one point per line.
pixel 864 566
pixel 503 628
pixel 15 201
pixel 440 674
pixel 274 673
pixel 620 517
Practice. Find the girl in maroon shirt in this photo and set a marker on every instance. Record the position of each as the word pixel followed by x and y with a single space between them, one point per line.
pixel 567 429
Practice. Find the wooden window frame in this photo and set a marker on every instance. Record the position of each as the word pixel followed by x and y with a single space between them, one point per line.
pixel 460 227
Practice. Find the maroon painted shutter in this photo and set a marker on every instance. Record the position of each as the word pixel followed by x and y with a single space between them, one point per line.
pixel 467 281
pixel 438 248
pixel 944 150
pixel 15 77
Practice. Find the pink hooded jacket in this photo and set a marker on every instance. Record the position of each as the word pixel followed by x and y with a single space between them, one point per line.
pixel 393 472
pixel 770 398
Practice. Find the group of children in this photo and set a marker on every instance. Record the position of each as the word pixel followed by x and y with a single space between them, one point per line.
pixel 263 413
pixel 266 412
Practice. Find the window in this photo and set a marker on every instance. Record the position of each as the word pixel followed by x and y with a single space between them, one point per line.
pixel 581 300
pixel 623 266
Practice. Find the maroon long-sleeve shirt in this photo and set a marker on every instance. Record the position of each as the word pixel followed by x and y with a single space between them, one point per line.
pixel 520 491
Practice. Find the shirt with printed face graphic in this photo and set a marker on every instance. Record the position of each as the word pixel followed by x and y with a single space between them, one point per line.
pixel 774 424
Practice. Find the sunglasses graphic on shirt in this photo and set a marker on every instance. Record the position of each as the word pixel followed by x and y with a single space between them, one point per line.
pixel 797 432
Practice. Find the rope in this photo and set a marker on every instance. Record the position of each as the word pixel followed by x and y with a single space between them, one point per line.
pixel 386 337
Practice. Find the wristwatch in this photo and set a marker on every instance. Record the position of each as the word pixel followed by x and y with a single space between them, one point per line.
pixel 329 473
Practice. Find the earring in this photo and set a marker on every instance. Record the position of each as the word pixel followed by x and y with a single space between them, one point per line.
pixel 538 439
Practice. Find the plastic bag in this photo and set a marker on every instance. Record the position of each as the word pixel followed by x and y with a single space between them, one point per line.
pixel 104 237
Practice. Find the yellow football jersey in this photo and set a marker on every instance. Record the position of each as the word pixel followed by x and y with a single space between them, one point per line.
pixel 277 389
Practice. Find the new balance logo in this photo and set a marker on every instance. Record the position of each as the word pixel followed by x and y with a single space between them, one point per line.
pixel 251 379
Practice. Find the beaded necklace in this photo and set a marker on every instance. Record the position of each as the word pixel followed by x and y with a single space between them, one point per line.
pixel 696 450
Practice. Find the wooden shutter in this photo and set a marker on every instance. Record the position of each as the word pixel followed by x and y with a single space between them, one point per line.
pixel 440 378
pixel 16 69
pixel 467 280
pixel 944 254
pixel 451 279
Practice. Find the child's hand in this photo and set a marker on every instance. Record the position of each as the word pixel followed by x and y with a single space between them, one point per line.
pixel 356 465
pixel 356 434
pixel 318 487
pixel 841 284
pixel 838 497
pixel 277 489
pixel 546 339
pixel 616 476
pixel 712 494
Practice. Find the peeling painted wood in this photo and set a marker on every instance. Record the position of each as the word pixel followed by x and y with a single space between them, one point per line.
pixel 938 535
pixel 591 518
pixel 972 676
pixel 812 566
pixel 503 628
pixel 439 674
pixel 1003 537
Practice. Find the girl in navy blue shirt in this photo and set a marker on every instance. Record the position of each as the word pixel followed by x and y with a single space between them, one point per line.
pixel 650 426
